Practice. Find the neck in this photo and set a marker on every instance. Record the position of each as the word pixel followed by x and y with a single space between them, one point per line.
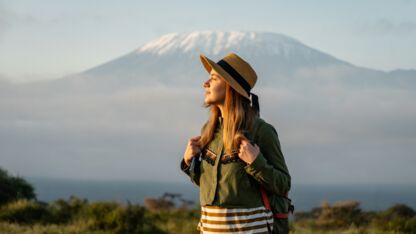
pixel 221 107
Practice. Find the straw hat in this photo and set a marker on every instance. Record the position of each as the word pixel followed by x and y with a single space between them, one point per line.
pixel 237 72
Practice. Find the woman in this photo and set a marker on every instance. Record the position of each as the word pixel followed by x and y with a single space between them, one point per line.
pixel 237 160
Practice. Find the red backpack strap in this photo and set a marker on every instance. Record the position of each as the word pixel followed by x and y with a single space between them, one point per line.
pixel 266 203
pixel 265 198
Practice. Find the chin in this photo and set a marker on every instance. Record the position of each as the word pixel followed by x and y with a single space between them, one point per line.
pixel 209 101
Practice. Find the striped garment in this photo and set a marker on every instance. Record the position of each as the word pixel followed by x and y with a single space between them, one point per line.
pixel 215 219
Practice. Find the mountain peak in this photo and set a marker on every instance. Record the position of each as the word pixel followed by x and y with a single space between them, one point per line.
pixel 273 55
pixel 214 42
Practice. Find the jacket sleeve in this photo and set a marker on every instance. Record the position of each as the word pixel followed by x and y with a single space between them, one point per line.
pixel 187 170
pixel 269 168
pixel 193 173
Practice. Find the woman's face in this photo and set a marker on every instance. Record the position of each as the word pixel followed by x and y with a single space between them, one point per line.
pixel 214 89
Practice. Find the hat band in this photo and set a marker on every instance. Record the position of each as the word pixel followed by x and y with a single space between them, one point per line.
pixel 235 75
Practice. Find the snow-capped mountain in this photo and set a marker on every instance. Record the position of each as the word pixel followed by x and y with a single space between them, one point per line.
pixel 173 60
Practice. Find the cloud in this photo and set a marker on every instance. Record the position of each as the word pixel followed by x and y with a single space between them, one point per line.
pixel 325 132
pixel 130 132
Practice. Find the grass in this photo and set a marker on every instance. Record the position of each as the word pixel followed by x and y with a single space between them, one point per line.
pixel 172 225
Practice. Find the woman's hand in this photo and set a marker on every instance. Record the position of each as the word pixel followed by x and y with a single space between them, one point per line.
pixel 192 149
pixel 247 152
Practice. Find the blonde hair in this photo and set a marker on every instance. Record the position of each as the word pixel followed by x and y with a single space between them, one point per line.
pixel 238 118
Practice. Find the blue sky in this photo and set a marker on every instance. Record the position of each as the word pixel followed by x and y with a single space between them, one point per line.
pixel 50 38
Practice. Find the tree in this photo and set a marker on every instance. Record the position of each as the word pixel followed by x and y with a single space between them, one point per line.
pixel 14 187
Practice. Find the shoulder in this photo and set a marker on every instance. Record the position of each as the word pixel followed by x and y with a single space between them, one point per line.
pixel 267 136
pixel 263 125
pixel 264 128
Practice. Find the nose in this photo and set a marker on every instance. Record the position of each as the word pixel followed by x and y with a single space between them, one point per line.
pixel 206 83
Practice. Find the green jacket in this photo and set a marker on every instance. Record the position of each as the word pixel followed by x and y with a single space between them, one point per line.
pixel 226 180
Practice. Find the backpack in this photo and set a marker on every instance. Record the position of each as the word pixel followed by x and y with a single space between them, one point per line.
pixel 281 220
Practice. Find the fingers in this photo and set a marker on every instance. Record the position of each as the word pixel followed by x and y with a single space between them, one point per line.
pixel 245 145
pixel 240 138
pixel 195 138
pixel 194 141
pixel 244 142
pixel 196 150
pixel 194 146
pixel 191 151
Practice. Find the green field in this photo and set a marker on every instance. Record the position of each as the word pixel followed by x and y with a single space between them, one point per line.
pixel 21 212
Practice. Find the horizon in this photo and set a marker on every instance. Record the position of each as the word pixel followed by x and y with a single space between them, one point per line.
pixel 138 180
pixel 304 196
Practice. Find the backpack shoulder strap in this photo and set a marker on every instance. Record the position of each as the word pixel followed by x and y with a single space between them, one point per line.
pixel 254 137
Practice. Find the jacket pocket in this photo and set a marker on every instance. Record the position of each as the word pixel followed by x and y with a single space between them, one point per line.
pixel 209 156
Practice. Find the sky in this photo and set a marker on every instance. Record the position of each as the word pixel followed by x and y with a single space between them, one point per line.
pixel 325 128
pixel 52 38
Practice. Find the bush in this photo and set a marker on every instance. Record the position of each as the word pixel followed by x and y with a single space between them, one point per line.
pixel 14 188
pixel 24 211
pixel 400 210
pixel 155 204
pixel 340 215
pixel 398 218
pixel 176 221
pixel 65 212
pixel 113 217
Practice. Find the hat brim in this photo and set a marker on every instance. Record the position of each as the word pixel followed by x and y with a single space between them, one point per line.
pixel 209 64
